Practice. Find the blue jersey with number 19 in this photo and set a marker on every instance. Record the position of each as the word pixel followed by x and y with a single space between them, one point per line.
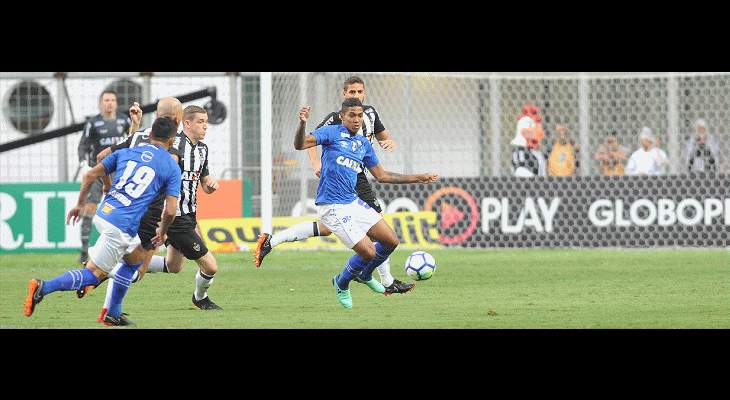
pixel 142 173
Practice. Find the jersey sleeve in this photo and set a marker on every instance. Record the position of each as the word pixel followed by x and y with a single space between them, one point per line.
pixel 370 159
pixel 204 172
pixel 174 180
pixel 328 120
pixel 110 163
pixel 324 135
pixel 378 125
pixel 85 143
pixel 123 145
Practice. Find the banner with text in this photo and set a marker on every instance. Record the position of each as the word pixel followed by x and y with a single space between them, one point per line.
pixel 416 230
pixel 626 211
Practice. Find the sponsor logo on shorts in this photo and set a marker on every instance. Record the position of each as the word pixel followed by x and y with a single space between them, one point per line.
pixel 196 246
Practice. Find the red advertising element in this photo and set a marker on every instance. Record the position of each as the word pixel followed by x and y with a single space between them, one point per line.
pixel 450 215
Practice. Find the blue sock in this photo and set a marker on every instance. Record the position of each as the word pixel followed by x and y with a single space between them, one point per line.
pixel 352 269
pixel 122 280
pixel 70 280
pixel 381 254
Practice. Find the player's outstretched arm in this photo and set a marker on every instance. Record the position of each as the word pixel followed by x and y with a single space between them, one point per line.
pixel 384 176
pixel 302 141
pixel 86 182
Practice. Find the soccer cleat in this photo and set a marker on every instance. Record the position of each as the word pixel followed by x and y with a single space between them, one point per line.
pixel 373 284
pixel 114 321
pixel 35 296
pixel 343 296
pixel 399 287
pixel 263 247
pixel 205 304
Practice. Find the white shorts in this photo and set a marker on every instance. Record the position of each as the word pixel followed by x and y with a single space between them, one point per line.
pixel 111 246
pixel 350 222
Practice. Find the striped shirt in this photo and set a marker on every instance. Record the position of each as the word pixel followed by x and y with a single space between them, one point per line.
pixel 194 167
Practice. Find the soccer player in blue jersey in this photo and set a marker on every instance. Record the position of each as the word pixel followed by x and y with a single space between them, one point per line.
pixel 344 155
pixel 141 174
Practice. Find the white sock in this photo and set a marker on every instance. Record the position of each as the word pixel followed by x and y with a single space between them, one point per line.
pixel 157 264
pixel 202 283
pixel 384 270
pixel 109 287
pixel 300 231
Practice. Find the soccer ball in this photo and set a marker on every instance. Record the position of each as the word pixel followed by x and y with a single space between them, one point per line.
pixel 420 265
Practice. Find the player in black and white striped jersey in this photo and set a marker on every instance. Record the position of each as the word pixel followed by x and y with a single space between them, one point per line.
pixel 373 129
pixel 192 156
pixel 182 239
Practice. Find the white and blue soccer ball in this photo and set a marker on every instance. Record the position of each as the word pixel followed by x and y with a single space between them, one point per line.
pixel 420 265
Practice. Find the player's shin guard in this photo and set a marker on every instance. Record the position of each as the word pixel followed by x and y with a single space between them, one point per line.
pixel 352 270
pixel 381 254
pixel 202 283
pixel 70 280
pixel 294 233
pixel 122 279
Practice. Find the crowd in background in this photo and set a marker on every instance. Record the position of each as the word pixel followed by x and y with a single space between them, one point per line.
pixel 559 157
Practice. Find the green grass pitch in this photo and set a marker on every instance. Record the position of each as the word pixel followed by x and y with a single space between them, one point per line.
pixel 534 288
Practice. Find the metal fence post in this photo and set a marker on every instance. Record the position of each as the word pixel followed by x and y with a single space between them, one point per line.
pixel 495 124
pixel 584 115
pixel 234 97
pixel 303 155
pixel 673 123
pixel 61 122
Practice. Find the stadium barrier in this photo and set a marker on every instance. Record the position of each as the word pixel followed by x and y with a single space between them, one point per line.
pixel 622 211
pixel 691 210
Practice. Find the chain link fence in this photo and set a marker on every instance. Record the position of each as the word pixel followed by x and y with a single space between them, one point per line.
pixel 455 124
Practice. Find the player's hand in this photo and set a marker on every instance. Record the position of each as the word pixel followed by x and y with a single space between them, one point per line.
pixel 387 145
pixel 135 114
pixel 304 113
pixel 428 178
pixel 317 169
pixel 73 215
pixel 212 185
pixel 105 188
pixel 159 238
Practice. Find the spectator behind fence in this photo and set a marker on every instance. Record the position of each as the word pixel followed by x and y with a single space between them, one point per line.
pixel 527 159
pixel 562 160
pixel 649 159
pixel 611 156
pixel 702 152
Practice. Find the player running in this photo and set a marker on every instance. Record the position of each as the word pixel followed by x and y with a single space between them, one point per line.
pixel 192 156
pixel 143 173
pixel 101 131
pixel 344 154
pixel 372 128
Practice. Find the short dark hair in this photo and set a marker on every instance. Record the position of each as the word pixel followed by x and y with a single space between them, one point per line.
pixel 353 80
pixel 351 102
pixel 164 128
pixel 190 111
pixel 108 91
